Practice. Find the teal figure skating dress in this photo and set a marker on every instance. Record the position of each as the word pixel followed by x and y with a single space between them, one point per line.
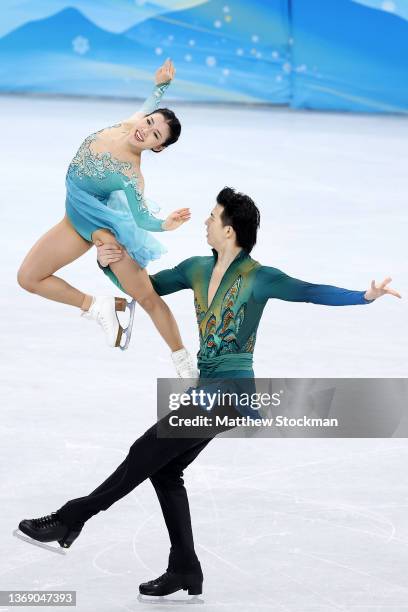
pixel 103 193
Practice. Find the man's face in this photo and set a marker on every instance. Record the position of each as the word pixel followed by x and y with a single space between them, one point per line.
pixel 217 233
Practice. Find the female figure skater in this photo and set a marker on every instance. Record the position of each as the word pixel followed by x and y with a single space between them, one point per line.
pixel 108 161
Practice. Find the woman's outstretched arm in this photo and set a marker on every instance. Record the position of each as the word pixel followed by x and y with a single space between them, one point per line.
pixel 163 77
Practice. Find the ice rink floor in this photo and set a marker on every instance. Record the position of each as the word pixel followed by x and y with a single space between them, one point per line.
pixel 288 525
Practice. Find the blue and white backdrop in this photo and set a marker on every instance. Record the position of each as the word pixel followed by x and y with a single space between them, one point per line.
pixel 337 54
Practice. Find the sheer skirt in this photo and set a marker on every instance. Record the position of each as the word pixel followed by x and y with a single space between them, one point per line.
pixel 88 213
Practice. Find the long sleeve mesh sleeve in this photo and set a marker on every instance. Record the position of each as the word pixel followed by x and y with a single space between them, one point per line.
pixel 136 201
pixel 152 102
pixel 139 208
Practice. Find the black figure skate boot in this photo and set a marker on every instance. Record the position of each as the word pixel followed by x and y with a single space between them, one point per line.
pixel 48 528
pixel 170 582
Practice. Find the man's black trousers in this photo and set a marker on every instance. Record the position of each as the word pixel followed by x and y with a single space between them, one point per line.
pixel 162 459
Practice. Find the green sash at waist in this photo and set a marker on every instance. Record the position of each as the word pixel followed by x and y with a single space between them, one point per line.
pixel 229 362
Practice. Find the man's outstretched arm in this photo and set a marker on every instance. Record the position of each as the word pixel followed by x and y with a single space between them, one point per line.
pixel 273 283
pixel 164 282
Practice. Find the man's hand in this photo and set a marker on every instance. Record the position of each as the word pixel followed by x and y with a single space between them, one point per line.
pixel 377 291
pixel 176 218
pixel 166 72
pixel 108 253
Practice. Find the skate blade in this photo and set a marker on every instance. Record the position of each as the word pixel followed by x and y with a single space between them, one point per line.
pixel 18 534
pixel 127 331
pixel 165 600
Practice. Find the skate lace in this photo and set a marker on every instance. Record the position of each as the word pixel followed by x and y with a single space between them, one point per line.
pixel 102 322
pixel 159 579
pixel 100 319
pixel 185 365
pixel 50 520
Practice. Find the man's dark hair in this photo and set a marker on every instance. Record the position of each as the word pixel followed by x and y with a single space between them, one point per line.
pixel 241 212
pixel 172 122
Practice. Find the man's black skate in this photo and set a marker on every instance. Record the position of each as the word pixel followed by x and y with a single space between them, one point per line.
pixel 49 528
pixel 170 582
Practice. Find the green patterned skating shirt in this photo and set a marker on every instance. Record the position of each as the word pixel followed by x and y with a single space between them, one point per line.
pixel 227 327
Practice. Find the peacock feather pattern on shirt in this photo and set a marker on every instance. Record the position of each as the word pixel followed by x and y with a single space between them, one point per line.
pixel 219 336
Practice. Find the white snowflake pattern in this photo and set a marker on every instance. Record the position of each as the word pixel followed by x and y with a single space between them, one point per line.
pixel 217 23
pixel 188 57
pixel 240 52
pixel 388 6
pixel 255 38
pixel 259 55
pixel 275 54
pixel 80 45
pixel 158 50
pixel 191 42
pixel 225 71
pixel 226 9
pixel 211 61
pixel 301 68
pixel 170 37
pixel 278 78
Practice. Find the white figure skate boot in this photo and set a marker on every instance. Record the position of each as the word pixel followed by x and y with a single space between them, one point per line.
pixel 103 310
pixel 184 364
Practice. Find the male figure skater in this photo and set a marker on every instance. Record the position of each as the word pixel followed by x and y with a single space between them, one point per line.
pixel 231 290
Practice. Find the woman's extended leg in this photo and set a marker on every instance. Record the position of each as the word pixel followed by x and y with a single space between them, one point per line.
pixel 58 247
pixel 135 281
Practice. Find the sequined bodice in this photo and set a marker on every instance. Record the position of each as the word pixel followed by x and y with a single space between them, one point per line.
pixel 111 179
pixel 100 166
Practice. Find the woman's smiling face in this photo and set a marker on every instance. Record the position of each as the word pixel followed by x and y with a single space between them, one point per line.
pixel 149 132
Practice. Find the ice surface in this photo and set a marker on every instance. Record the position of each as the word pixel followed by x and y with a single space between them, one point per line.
pixel 280 524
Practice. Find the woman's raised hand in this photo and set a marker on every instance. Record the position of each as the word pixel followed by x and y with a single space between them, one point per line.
pixel 166 72
pixel 176 219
